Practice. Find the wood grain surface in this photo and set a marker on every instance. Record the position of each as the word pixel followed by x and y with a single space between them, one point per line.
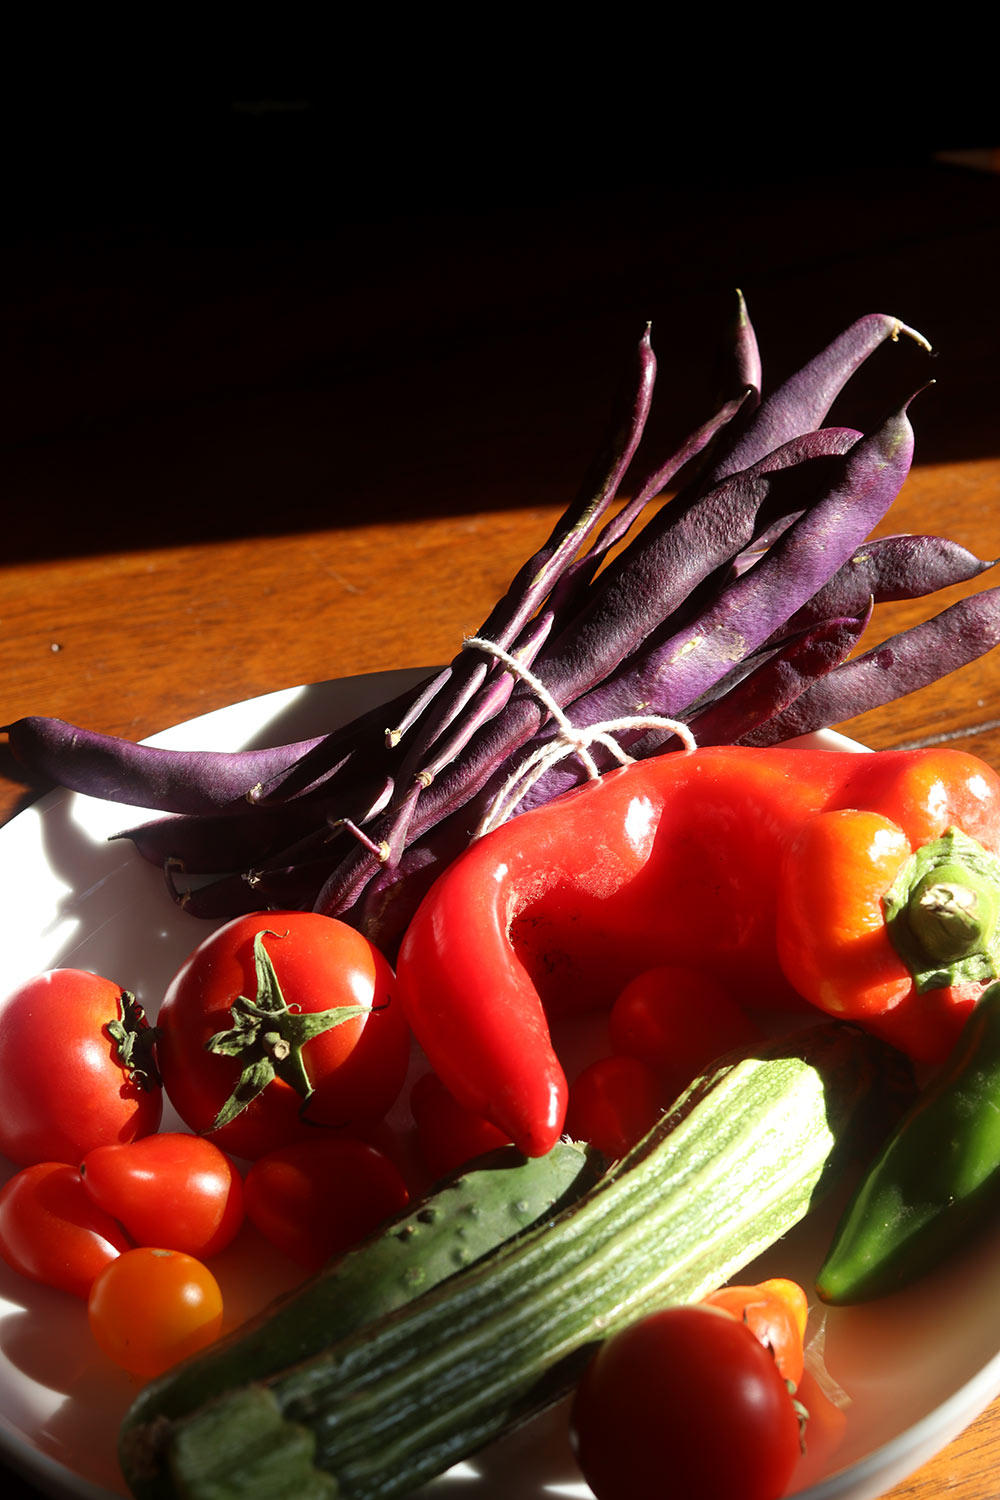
pixel 243 455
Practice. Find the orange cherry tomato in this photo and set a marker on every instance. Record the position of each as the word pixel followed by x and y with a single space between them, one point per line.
pixel 774 1313
pixel 151 1308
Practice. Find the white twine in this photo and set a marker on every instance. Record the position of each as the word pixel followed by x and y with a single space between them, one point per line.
pixel 568 741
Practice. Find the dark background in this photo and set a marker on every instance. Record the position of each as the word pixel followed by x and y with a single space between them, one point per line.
pixel 238 308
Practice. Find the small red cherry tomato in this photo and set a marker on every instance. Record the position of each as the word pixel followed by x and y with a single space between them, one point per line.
pixel 276 1023
pixel 448 1134
pixel 613 1103
pixel 688 1399
pixel 678 1020
pixel 317 1198
pixel 76 1066
pixel 773 1316
pixel 173 1190
pixel 151 1308
pixel 52 1232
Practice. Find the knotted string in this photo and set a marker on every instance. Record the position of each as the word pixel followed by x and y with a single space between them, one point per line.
pixel 568 740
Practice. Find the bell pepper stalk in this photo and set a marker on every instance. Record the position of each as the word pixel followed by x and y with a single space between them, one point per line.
pixel 784 871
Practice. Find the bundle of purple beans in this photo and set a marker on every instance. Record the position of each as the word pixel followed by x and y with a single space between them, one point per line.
pixel 736 609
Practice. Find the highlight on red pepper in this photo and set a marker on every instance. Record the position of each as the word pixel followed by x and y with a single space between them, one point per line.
pixel 772 863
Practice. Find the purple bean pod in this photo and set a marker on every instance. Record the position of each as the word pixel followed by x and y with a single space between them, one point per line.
pixel 660 579
pixel 771 687
pixel 891 567
pixel 536 577
pixel 802 401
pixel 901 664
pixel 570 587
pixel 182 781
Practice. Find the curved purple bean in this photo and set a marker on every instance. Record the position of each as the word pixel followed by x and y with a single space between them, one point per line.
pixel 802 401
pixel 182 781
pixel 900 665
pixel 891 567
pixel 771 687
pixel 536 577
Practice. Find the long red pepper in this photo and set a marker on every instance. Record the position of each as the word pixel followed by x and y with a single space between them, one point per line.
pixel 710 858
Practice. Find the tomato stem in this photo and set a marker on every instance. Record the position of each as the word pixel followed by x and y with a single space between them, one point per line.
pixel 268 1036
pixel 134 1039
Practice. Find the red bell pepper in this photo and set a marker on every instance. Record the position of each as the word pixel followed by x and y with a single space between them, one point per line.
pixel 789 873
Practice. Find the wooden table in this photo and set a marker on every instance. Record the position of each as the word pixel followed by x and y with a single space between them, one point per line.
pixel 240 463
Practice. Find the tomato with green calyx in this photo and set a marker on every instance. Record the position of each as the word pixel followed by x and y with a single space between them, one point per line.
pixel 174 1190
pixel 77 1069
pixel 52 1232
pixel 151 1308
pixel 317 1198
pixel 687 1400
pixel 279 1022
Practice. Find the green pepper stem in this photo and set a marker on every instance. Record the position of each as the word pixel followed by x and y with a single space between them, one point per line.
pixel 943 912
pixel 953 912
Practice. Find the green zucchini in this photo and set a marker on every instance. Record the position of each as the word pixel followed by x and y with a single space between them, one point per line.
pixel 461 1220
pixel 735 1163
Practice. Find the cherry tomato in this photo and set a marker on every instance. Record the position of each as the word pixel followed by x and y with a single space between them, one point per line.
pixel 317 1198
pixel 222 1061
pixel 51 1231
pixel 448 1134
pixel 685 1400
pixel 74 1069
pixel 173 1190
pixel 613 1103
pixel 151 1308
pixel 677 1020
pixel 771 1311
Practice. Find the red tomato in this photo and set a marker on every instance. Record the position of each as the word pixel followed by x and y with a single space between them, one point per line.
pixel 173 1190
pixel 613 1103
pixel 51 1231
pixel 317 1198
pixel 71 1080
pixel 685 1400
pixel 355 1066
pixel 771 1311
pixel 678 1020
pixel 151 1308
pixel 448 1134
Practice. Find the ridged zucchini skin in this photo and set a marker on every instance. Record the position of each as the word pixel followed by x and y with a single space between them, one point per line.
pixel 730 1169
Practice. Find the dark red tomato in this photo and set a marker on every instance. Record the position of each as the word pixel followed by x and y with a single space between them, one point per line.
pixel 51 1231
pixel 317 1198
pixel 685 1401
pixel 174 1190
pixel 613 1103
pixel 215 1049
pixel 678 1020
pixel 448 1134
pixel 75 1073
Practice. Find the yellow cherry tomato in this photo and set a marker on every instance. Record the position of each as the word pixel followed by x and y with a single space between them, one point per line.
pixel 151 1308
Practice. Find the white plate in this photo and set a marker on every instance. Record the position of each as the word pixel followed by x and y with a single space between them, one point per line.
pixel 917 1368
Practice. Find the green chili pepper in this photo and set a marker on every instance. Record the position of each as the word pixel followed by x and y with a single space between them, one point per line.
pixel 936 1179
